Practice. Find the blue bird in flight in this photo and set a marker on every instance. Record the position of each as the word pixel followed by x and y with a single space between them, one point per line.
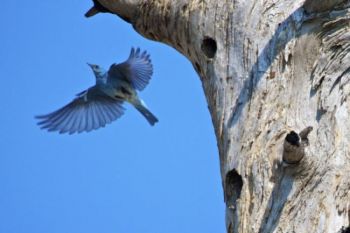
pixel 103 103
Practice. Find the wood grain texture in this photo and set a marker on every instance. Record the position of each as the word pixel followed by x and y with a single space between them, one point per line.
pixel 267 67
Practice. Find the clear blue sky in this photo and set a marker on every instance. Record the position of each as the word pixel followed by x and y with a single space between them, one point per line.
pixel 128 177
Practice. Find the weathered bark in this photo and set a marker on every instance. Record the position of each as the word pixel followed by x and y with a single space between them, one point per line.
pixel 267 68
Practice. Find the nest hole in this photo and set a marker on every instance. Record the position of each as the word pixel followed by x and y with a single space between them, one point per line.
pixel 345 229
pixel 233 187
pixel 209 47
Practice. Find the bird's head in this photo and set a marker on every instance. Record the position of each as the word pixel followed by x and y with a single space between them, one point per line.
pixel 98 71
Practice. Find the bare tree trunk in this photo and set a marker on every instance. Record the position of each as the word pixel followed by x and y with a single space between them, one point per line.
pixel 268 68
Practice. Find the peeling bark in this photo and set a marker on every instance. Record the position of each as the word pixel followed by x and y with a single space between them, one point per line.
pixel 267 68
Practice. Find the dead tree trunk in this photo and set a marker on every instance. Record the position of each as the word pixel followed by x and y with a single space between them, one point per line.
pixel 269 69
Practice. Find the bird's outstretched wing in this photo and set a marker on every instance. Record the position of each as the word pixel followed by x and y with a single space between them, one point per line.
pixel 91 109
pixel 137 69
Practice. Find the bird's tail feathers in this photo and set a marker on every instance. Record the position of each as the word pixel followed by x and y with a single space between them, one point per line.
pixel 141 107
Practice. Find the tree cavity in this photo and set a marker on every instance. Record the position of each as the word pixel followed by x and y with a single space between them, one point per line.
pixel 209 47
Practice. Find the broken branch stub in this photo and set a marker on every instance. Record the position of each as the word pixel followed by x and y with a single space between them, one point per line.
pixel 294 146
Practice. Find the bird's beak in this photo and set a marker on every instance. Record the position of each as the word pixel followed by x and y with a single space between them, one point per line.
pixel 89 64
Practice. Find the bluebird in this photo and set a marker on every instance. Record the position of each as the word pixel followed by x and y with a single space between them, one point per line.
pixel 103 103
pixel 95 9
